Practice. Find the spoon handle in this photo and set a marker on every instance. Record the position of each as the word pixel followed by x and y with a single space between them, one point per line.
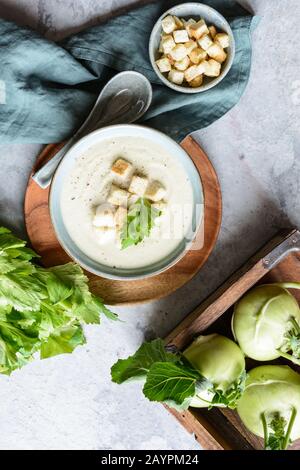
pixel 44 175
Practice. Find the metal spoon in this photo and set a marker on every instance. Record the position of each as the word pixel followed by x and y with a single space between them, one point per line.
pixel 124 99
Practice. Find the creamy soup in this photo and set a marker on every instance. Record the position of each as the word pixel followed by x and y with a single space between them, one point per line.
pixel 88 186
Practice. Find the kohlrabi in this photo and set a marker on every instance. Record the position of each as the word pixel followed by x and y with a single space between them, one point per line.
pixel 210 372
pixel 222 363
pixel 266 323
pixel 270 405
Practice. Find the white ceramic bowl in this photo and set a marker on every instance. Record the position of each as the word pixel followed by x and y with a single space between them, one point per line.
pixel 196 11
pixel 66 166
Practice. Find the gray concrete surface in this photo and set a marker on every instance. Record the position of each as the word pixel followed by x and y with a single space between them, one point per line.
pixel 68 402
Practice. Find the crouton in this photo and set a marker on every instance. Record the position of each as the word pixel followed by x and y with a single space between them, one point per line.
pixel 216 52
pixel 160 48
pixel 190 45
pixel 195 70
pixel 121 168
pixel 175 76
pixel 168 24
pixel 167 44
pixel 171 60
pixel 196 82
pixel 212 31
pixel 120 217
pixel 117 196
pixel 202 66
pixel 213 68
pixel 155 191
pixel 163 65
pixel 182 64
pixel 178 22
pixel 205 42
pixel 104 216
pixel 138 185
pixel 222 39
pixel 180 36
pixel 198 29
pixel 197 55
pixel 187 24
pixel 179 52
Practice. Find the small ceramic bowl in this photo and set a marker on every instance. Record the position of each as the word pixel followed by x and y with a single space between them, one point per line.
pixel 211 17
pixel 65 168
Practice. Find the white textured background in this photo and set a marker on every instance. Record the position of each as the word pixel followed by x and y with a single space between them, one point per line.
pixel 68 402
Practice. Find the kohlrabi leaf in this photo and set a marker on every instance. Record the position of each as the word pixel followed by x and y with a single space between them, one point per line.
pixel 182 407
pixel 138 365
pixel 291 347
pixel 277 437
pixel 169 382
pixel 175 378
pixel 278 430
pixel 230 397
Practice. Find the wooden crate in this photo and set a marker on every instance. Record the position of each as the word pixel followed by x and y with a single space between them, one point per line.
pixel 279 260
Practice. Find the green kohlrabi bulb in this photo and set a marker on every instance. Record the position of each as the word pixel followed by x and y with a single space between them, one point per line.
pixel 222 363
pixel 270 405
pixel 266 323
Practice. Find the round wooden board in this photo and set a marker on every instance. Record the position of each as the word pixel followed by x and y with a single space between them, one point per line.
pixel 44 242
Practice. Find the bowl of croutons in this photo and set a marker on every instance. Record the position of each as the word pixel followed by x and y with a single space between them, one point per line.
pixel 191 48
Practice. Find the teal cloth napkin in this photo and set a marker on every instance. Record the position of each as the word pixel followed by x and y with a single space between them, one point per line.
pixel 48 88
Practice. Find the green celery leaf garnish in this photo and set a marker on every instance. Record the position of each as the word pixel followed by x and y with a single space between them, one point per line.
pixel 140 221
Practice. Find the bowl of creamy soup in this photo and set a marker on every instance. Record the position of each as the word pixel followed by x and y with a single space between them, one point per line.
pixel 126 202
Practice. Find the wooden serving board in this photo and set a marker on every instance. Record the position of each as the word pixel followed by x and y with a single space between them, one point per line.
pixel 278 261
pixel 45 243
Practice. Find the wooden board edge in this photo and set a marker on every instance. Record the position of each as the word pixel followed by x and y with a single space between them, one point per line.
pixel 202 431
